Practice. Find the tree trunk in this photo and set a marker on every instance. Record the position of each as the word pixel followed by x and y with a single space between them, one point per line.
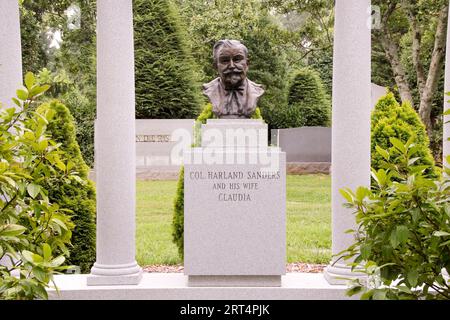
pixel 391 50
pixel 434 70
pixel 416 46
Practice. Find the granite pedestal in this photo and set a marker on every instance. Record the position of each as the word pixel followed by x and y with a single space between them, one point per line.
pixel 234 207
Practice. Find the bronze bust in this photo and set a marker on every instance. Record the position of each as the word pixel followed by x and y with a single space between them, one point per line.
pixel 232 95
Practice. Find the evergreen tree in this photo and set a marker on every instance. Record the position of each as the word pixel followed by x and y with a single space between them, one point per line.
pixel 401 121
pixel 308 96
pixel 166 85
pixel 251 23
pixel 78 198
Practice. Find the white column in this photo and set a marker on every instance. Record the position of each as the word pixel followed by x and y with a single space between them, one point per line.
pixel 350 120
pixel 10 51
pixel 115 147
pixel 10 59
pixel 446 131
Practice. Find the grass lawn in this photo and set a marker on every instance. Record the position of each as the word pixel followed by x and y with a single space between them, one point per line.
pixel 308 220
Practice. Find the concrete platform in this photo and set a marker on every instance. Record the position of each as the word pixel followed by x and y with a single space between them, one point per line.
pixel 173 286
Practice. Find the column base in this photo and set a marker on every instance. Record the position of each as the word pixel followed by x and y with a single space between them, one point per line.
pixel 341 274
pixel 234 281
pixel 105 275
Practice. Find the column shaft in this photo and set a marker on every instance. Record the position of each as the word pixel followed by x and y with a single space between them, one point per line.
pixel 115 146
pixel 350 119
pixel 10 59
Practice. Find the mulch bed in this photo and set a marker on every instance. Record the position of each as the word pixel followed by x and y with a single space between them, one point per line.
pixel 290 267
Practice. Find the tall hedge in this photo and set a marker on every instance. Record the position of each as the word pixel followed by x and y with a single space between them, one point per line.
pixel 166 83
pixel 308 96
pixel 268 65
pixel 178 215
pixel 391 119
pixel 78 197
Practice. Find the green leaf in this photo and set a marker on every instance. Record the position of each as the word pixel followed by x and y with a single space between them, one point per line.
pixel 33 190
pixel 47 251
pixel 367 295
pixel 404 288
pixel 402 233
pixel 57 261
pixel 40 274
pixel 412 277
pixel 365 251
pixel 379 295
pixel 60 223
pixel 27 255
pixel 361 193
pixel 10 181
pixel 39 89
pixel 415 213
pixel 382 152
pixel 353 290
pixel 380 177
pixel 29 80
pixel 441 234
pixel 17 102
pixel 394 239
pixel 22 94
pixel 41 292
pixel 444 243
pixel 397 144
pixel 42 145
pixel 37 258
pixel 12 230
pixel 412 161
pixel 346 194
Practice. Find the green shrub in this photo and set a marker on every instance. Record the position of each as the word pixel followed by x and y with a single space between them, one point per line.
pixel 83 110
pixel 34 231
pixel 82 106
pixel 307 96
pixel 287 117
pixel 79 196
pixel 166 85
pixel 268 64
pixel 403 235
pixel 390 119
pixel 178 214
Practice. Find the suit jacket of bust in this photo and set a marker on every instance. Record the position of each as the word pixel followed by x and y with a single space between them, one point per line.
pixel 219 97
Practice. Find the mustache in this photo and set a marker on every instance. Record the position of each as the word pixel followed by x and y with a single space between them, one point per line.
pixel 234 70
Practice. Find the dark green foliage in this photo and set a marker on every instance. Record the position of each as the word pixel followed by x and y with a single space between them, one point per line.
pixel 390 119
pixel 308 104
pixel 287 117
pixel 268 65
pixel 178 216
pixel 78 197
pixel 34 233
pixel 322 62
pixel 166 85
pixel 82 106
pixel 33 53
pixel 403 237
pixel 83 111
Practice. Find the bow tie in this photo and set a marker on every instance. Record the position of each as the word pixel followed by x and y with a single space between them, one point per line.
pixel 239 90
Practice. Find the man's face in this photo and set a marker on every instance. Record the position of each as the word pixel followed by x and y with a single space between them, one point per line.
pixel 232 66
